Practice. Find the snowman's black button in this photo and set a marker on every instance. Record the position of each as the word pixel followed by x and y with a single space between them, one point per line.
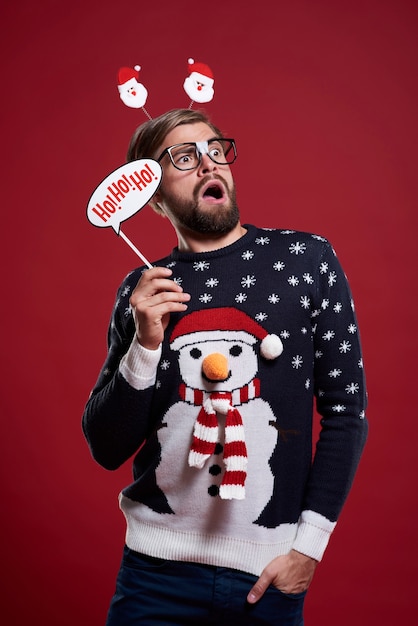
pixel 215 470
pixel 213 490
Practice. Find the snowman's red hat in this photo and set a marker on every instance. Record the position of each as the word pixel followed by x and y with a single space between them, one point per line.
pixel 225 323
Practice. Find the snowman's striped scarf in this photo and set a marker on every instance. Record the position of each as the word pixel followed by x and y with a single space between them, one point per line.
pixel 206 434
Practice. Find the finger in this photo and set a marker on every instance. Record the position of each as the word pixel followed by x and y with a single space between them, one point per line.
pixel 258 589
pixel 149 289
pixel 162 299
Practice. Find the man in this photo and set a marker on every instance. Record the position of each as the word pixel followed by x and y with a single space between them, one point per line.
pixel 215 357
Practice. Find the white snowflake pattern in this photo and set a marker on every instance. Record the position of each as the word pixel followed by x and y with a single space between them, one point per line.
pixel 297 248
pixel 287 232
pixel 178 280
pixel 323 268
pixel 338 307
pixel 200 266
pixel 335 373
pixel 240 297
pixel 362 415
pixel 171 264
pixel 158 384
pixel 308 278
pixel 273 298
pixel 307 383
pixel 318 354
pixel 305 302
pixel 297 362
pixel 247 255
pixel 303 330
pixel 279 266
pixel 285 334
pixel 352 388
pixel 248 281
pixel 324 304
pixel 262 241
pixel 332 279
pixel 293 281
pixel 330 334
pixel 345 346
pixel 165 364
pixel 360 363
pixel 352 329
pixel 316 312
pixel 106 372
pixel 261 317
pixel 212 282
pixel 125 291
pixel 205 298
pixel 338 408
pixel 128 311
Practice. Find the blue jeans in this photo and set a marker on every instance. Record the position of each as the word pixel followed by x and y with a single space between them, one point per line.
pixel 152 591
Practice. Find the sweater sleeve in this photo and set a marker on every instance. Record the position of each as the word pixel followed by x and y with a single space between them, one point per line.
pixel 341 400
pixel 117 416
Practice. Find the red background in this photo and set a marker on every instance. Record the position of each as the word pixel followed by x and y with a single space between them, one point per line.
pixel 321 97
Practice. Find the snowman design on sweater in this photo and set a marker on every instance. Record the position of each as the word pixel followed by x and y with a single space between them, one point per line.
pixel 218 439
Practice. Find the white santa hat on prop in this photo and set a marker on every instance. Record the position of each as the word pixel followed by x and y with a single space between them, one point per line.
pixel 224 323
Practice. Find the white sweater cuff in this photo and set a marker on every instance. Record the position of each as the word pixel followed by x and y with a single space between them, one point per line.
pixel 139 365
pixel 314 532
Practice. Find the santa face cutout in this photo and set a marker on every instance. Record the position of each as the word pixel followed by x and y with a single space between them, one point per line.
pixel 199 84
pixel 131 92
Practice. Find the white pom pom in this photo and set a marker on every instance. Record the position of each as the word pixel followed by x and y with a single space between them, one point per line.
pixel 271 347
pixel 190 61
pixel 137 68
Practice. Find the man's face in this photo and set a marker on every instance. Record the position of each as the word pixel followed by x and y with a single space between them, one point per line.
pixel 202 200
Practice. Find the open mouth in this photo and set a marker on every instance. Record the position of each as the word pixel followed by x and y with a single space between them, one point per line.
pixel 213 192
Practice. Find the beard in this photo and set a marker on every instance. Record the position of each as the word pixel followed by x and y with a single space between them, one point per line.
pixel 219 220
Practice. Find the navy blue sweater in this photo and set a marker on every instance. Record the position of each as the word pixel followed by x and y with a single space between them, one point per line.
pixel 278 308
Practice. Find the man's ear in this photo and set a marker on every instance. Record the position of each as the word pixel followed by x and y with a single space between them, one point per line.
pixel 155 203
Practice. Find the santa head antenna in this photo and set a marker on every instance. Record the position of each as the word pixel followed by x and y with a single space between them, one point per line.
pixel 131 91
pixel 199 84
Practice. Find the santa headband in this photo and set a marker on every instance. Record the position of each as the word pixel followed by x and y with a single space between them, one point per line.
pixel 198 85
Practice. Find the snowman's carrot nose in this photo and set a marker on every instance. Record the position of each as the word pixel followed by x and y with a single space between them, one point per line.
pixel 215 366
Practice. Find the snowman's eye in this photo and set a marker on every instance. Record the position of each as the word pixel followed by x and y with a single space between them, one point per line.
pixel 195 353
pixel 235 350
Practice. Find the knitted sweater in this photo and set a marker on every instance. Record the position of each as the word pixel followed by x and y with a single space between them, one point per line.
pixel 233 481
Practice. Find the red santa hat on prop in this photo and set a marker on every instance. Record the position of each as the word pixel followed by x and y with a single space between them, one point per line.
pixel 201 72
pixel 126 74
pixel 224 323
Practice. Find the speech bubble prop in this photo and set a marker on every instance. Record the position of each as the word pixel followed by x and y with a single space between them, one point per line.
pixel 122 194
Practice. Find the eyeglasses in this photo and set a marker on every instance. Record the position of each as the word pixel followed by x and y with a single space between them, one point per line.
pixel 187 156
